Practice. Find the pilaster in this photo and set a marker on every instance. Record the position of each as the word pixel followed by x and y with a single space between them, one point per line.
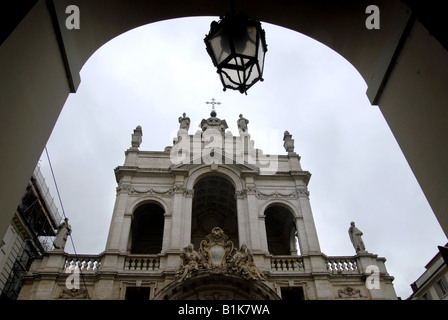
pixel 321 277
pixel 186 217
pixel 301 233
pixel 177 215
pixel 252 214
pixel 308 225
pixel 116 230
pixel 242 212
pixel 125 232
pixel 377 280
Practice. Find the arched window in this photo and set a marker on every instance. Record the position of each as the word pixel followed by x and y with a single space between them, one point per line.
pixel 147 229
pixel 214 205
pixel 280 230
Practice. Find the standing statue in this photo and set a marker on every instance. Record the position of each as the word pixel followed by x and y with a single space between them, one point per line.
pixel 184 122
pixel 64 230
pixel 355 237
pixel 189 263
pixel 242 124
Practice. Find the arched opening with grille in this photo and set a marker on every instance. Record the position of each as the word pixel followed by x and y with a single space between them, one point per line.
pixel 214 205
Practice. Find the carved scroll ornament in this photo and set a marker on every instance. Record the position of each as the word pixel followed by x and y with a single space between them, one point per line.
pixel 217 254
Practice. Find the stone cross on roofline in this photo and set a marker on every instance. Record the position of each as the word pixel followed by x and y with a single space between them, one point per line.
pixel 213 102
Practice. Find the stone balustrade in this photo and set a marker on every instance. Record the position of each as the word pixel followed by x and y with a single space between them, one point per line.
pixel 92 263
pixel 287 263
pixel 342 265
pixel 85 263
pixel 142 262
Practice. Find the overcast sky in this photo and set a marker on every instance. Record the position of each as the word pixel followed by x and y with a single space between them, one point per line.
pixel 151 75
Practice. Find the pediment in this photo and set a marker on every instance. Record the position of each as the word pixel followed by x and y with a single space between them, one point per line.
pixel 223 160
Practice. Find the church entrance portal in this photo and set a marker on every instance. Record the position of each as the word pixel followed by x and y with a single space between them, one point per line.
pixel 217 287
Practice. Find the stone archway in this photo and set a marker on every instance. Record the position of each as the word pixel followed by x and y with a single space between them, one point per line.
pixel 280 230
pixel 147 229
pixel 208 286
pixel 217 271
pixel 404 66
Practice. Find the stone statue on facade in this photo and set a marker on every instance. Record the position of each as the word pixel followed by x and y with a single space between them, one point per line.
pixel 189 263
pixel 184 124
pixel 137 137
pixel 243 263
pixel 288 143
pixel 355 237
pixel 64 230
pixel 242 124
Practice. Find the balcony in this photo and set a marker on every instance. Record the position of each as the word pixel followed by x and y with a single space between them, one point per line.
pixel 92 263
pixel 142 263
pixel 287 264
pixel 342 265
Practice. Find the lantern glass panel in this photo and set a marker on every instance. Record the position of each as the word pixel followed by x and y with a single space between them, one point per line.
pixel 220 46
pixel 245 44
pixel 230 77
pixel 252 74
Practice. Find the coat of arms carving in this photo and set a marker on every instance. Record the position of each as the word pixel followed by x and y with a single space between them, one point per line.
pixel 217 254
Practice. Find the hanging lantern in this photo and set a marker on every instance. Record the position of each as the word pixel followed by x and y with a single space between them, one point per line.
pixel 237 46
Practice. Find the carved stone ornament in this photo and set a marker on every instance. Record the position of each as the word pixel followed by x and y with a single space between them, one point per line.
pixel 73 294
pixel 349 292
pixel 217 255
pixel 216 251
pixel 189 263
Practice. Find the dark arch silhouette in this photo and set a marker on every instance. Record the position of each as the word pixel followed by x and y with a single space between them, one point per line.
pixel 404 63
pixel 147 229
pixel 214 205
pixel 280 230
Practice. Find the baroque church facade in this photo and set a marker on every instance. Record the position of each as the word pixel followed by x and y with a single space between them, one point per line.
pixel 211 217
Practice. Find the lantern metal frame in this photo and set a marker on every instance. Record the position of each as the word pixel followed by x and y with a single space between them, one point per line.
pixel 226 44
